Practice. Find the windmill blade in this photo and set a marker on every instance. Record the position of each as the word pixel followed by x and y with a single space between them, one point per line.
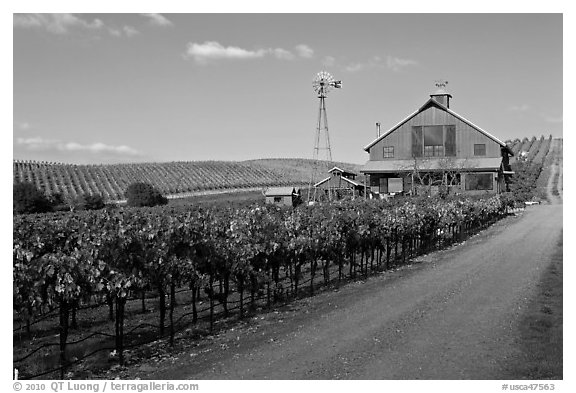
pixel 324 82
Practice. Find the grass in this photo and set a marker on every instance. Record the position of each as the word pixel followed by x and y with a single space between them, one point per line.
pixel 541 327
pixel 234 199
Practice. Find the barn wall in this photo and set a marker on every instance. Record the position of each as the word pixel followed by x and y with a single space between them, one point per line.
pixel 466 137
pixel 286 200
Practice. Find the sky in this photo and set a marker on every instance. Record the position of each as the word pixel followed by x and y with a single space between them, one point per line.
pixel 110 88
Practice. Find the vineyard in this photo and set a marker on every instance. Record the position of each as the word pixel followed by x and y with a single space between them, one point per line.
pixel 108 283
pixel 111 181
pixel 531 162
pixel 533 150
pixel 98 289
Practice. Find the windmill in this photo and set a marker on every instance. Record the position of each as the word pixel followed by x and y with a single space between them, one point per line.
pixel 322 84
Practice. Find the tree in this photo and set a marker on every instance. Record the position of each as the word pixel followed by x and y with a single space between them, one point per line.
pixel 144 194
pixel 93 201
pixel 28 199
pixel 446 174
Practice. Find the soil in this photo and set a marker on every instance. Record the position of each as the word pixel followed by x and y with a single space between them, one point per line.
pixel 452 314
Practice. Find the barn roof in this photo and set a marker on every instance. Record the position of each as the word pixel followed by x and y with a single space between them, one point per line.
pixel 428 104
pixel 354 183
pixel 322 181
pixel 280 191
pixel 457 164
pixel 344 172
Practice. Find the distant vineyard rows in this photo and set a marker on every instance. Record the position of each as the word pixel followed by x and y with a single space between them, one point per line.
pixel 530 165
pixel 170 178
pixel 532 150
pixel 111 181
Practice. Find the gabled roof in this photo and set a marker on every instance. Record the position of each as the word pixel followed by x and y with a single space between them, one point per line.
pixel 354 183
pixel 341 170
pixel 322 181
pixel 432 102
pixel 434 164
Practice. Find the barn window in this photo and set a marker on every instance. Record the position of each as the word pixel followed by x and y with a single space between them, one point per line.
pixel 450 141
pixel 417 141
pixel 479 149
pixel 277 199
pixel 433 141
pixel 388 151
pixel 395 185
pixel 479 181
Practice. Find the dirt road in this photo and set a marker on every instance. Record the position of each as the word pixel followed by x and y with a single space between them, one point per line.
pixel 453 314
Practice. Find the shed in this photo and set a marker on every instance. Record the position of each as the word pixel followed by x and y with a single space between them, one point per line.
pixel 287 196
pixel 340 183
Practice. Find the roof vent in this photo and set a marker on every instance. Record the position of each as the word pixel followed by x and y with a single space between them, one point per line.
pixel 441 95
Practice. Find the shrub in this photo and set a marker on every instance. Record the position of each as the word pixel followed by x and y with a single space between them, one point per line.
pixel 144 194
pixel 28 199
pixel 93 202
pixel 58 202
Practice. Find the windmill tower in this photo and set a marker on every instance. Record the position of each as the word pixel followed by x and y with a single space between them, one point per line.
pixel 322 84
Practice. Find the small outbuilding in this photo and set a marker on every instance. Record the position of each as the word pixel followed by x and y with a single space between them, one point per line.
pixel 287 196
pixel 340 183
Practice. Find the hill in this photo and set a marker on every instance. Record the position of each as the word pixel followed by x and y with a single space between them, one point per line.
pixel 533 163
pixel 169 177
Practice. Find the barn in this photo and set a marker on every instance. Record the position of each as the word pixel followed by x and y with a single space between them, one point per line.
pixel 340 183
pixel 435 149
pixel 287 196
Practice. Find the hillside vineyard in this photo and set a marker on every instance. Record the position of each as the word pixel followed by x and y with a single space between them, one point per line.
pixel 111 181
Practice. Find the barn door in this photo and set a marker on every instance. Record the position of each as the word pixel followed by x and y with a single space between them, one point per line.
pixel 407 183
pixel 383 185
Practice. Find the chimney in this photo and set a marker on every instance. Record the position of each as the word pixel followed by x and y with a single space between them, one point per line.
pixel 441 95
pixel 378 130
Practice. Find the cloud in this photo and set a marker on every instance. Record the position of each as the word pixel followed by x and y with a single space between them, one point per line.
pixel 328 61
pixel 376 61
pixel 212 51
pixel 553 119
pixel 22 125
pixel 519 108
pixel 396 64
pixel 130 31
pixel 282 54
pixel 35 142
pixel 64 23
pixel 390 62
pixel 355 67
pixel 38 143
pixel 55 23
pixel 304 50
pixel 157 19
